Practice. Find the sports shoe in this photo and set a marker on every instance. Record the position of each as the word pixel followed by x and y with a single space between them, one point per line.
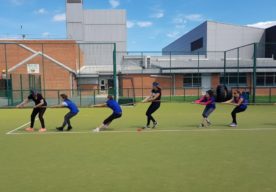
pixel 29 129
pixel 41 130
pixel 233 125
pixel 154 124
pixel 69 128
pixel 96 130
pixel 59 128
pixel 209 123
pixel 201 125
pixel 146 127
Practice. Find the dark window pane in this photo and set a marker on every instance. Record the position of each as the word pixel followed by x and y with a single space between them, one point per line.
pixel 260 80
pixel 269 80
pixel 197 44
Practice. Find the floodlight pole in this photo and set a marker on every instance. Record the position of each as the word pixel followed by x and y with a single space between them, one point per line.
pixel 114 73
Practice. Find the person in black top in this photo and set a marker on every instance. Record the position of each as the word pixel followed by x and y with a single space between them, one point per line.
pixel 155 100
pixel 39 108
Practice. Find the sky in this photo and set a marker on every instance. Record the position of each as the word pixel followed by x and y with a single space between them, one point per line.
pixel 151 24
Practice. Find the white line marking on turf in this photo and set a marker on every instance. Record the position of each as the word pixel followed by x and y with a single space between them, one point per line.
pixel 145 131
pixel 12 131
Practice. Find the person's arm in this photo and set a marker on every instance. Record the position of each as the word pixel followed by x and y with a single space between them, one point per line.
pixel 40 104
pixel 154 97
pixel 99 105
pixel 146 99
pixel 199 101
pixel 239 102
pixel 23 103
pixel 229 101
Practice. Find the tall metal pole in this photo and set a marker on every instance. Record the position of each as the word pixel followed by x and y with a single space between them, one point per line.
pixel 7 80
pixel 114 72
pixel 224 69
pixel 238 64
pixel 254 72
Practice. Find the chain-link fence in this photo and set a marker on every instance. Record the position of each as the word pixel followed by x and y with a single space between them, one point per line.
pixel 86 72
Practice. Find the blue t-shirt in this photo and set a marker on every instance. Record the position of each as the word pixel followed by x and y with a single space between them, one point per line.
pixel 244 103
pixel 70 105
pixel 112 104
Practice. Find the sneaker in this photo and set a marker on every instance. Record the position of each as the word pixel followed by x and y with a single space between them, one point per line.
pixel 233 125
pixel 69 128
pixel 96 130
pixel 201 125
pixel 209 123
pixel 146 127
pixel 154 124
pixel 41 130
pixel 29 129
pixel 59 128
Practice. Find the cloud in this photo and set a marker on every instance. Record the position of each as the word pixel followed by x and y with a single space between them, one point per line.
pixel 17 2
pixel 144 24
pixel 158 14
pixel 59 17
pixel 41 11
pixel 114 3
pixel 141 24
pixel 45 34
pixel 173 34
pixel 263 25
pixel 130 24
pixel 194 17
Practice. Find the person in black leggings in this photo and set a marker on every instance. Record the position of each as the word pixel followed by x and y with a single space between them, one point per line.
pixel 39 108
pixel 155 100
pixel 241 105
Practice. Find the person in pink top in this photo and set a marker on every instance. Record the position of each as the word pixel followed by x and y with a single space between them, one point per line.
pixel 210 102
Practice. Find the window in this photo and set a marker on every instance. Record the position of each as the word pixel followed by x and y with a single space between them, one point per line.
pixel 197 44
pixel 234 79
pixel 74 1
pixel 192 80
pixel 266 79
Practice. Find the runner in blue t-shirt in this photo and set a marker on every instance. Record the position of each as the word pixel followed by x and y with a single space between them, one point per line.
pixel 73 112
pixel 117 113
pixel 241 105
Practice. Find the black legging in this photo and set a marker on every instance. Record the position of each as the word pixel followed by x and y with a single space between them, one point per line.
pixel 152 108
pixel 235 111
pixel 67 118
pixel 41 112
pixel 113 116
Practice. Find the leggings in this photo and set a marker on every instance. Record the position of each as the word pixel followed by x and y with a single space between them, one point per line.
pixel 67 118
pixel 41 112
pixel 152 108
pixel 235 111
pixel 113 116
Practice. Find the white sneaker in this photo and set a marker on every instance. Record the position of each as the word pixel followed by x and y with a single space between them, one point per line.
pixel 233 125
pixel 96 130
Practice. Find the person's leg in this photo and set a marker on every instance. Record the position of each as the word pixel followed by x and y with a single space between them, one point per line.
pixel 153 107
pixel 41 119
pixel 66 121
pixel 33 115
pixel 234 114
pixel 107 121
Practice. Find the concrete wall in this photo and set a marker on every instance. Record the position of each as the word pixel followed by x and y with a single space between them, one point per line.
pixel 183 44
pixel 97 26
pixel 219 37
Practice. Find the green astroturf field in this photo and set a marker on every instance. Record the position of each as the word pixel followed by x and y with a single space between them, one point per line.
pixel 181 158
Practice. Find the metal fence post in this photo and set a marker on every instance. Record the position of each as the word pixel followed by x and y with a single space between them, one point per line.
pixel 115 72
pixel 254 73
pixel 224 69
